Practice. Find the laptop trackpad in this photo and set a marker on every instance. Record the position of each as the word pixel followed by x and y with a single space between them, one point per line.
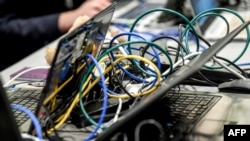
pixel 210 127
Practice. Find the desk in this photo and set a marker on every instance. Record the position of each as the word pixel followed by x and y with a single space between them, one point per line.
pixel 37 59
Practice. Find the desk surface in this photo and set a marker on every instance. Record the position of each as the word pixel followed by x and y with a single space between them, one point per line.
pixel 231 51
pixel 33 60
pixel 38 59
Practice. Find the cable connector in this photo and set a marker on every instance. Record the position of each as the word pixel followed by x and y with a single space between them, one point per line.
pixel 38 84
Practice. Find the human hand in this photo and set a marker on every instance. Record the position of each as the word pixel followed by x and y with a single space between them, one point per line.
pixel 92 7
pixel 79 21
pixel 50 51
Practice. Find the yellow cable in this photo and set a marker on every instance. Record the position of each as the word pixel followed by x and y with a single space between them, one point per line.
pixel 122 57
pixel 53 104
pixel 65 116
pixel 47 99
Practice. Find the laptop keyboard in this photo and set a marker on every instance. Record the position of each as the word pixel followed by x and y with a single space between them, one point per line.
pixel 185 111
pixel 139 10
pixel 189 107
pixel 27 98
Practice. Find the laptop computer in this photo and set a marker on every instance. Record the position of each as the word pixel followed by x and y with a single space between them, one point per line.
pixel 128 10
pixel 208 25
pixel 87 38
pixel 8 126
pixel 9 130
pixel 232 108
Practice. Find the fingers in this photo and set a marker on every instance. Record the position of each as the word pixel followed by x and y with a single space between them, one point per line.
pixel 100 4
pixel 79 21
pixel 104 3
pixel 49 54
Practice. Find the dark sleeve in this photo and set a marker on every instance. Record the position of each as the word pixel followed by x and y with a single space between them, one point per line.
pixel 44 27
pixel 28 26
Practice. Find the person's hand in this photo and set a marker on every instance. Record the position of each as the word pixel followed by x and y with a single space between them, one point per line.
pixel 88 8
pixel 50 51
pixel 49 54
pixel 92 7
pixel 79 21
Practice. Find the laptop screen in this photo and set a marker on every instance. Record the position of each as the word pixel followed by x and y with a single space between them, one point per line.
pixel 199 6
pixel 203 5
pixel 66 67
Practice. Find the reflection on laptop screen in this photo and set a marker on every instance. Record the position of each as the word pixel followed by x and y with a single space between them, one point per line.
pixel 69 58
pixel 203 5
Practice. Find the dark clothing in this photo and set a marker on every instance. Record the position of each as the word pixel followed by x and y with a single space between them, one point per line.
pixel 27 25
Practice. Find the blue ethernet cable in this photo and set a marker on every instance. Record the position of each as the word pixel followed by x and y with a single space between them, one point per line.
pixel 124 70
pixel 133 34
pixel 33 118
pixel 105 99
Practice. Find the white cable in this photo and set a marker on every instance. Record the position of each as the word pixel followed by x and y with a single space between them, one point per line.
pixel 118 110
pixel 184 59
pixel 23 72
pixel 214 58
pixel 229 69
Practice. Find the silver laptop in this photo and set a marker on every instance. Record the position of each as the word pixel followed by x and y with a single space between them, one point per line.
pixel 128 10
pixel 208 25
pixel 226 108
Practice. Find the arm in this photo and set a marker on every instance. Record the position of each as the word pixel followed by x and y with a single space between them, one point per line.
pixel 16 24
pixel 46 27
pixel 88 8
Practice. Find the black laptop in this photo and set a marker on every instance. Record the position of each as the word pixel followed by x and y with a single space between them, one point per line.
pixel 68 58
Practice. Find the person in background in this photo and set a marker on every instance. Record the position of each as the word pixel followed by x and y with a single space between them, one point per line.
pixel 26 26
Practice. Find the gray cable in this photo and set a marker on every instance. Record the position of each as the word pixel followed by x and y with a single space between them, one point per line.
pixel 229 69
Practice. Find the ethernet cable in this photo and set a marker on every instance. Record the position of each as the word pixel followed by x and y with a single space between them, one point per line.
pixel 237 15
pixel 7 84
pixel 33 118
pixel 169 11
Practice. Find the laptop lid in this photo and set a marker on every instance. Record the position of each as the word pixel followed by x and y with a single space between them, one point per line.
pixel 198 6
pixel 208 25
pixel 170 82
pixel 128 10
pixel 8 126
pixel 72 47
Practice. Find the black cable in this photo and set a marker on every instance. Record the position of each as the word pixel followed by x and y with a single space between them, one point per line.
pixel 179 55
pixel 224 59
pixel 62 107
pixel 117 79
pixel 234 65
pixel 143 52
pixel 206 79
pixel 52 124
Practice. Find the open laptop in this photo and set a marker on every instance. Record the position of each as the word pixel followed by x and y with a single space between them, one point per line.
pixel 8 126
pixel 87 38
pixel 208 25
pixel 128 10
pixel 9 130
pixel 231 108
